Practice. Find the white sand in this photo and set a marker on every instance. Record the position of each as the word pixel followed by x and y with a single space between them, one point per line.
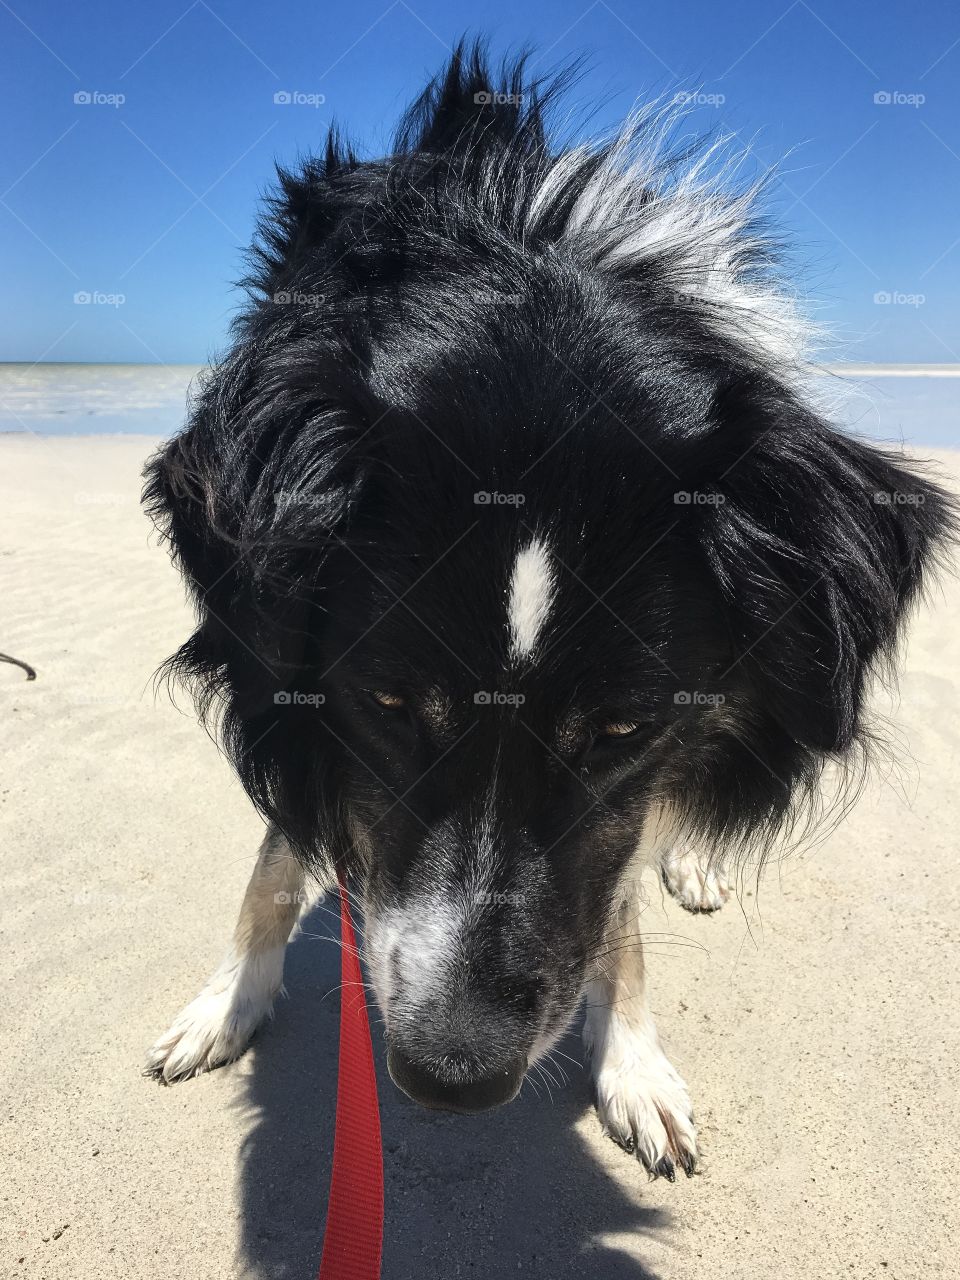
pixel 819 1032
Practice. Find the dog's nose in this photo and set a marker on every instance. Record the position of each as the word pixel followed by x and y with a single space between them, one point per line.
pixel 454 1087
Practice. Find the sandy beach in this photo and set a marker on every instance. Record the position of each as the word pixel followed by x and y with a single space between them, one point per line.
pixel 817 1023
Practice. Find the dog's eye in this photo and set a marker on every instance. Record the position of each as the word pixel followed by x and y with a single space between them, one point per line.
pixel 390 701
pixel 620 729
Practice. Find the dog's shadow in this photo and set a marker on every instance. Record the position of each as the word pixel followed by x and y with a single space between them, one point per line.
pixel 511 1192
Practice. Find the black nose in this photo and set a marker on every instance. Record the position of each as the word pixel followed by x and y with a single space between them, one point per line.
pixel 453 1085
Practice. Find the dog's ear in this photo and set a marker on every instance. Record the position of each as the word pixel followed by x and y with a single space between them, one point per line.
pixel 255 497
pixel 251 496
pixel 819 543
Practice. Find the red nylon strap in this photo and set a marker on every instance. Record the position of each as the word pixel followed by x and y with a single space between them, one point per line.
pixel 353 1240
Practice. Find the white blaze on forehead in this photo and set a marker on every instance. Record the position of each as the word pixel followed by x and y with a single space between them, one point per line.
pixel 532 587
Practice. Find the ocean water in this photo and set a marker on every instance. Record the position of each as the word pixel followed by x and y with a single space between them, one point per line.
pixel 94 399
pixel 913 404
pixel 909 404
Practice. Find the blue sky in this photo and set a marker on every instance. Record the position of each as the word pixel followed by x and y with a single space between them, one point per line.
pixel 152 199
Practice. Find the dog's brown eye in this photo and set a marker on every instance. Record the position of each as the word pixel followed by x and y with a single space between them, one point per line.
pixel 619 729
pixel 392 701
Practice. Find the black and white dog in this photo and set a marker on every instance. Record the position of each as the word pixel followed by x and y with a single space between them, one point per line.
pixel 523 560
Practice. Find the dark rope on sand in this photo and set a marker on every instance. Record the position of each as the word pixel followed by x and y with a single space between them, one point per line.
pixel 31 674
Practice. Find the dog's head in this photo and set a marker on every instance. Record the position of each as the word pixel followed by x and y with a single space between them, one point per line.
pixel 515 546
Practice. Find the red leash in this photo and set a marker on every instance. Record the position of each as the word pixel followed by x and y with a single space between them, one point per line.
pixel 353 1242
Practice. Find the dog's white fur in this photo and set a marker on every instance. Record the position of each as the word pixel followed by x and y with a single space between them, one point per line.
pixel 641 1100
pixel 640 206
pixel 531 596
pixel 216 1027
pixel 421 943
pixel 696 884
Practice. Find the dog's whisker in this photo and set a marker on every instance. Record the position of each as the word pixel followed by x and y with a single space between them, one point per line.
pixel 558 1079
pixel 343 985
pixel 559 1053
pixel 655 948
pixel 542 1075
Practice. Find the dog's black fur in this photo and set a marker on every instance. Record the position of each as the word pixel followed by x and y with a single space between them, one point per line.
pixel 417 334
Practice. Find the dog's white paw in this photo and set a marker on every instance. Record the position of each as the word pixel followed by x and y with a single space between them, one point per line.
pixel 695 883
pixel 642 1103
pixel 216 1027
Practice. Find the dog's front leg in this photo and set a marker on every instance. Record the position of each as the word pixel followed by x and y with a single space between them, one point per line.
pixel 641 1101
pixel 216 1027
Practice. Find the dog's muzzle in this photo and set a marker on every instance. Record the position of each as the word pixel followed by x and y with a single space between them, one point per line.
pixel 455 1088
